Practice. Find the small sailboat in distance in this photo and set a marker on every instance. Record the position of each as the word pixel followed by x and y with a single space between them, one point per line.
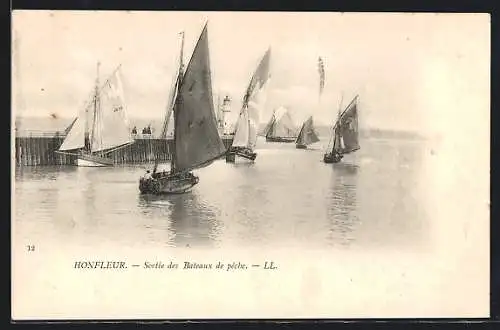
pixel 245 135
pixel 197 142
pixel 345 133
pixel 280 127
pixel 101 127
pixel 307 135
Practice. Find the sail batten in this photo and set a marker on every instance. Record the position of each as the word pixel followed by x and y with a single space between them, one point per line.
pixel 197 140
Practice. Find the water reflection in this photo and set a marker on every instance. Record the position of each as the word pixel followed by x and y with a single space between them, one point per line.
pixel 342 208
pixel 193 222
pixel 38 173
pixel 286 198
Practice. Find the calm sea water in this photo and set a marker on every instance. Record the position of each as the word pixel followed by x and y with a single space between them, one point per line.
pixel 288 197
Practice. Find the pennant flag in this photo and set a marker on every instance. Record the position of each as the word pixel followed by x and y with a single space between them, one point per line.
pixel 321 70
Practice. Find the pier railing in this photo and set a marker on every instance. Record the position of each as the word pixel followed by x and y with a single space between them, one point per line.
pixel 37 148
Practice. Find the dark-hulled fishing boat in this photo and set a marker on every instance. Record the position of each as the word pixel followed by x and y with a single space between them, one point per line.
pixel 307 135
pixel 345 134
pixel 197 142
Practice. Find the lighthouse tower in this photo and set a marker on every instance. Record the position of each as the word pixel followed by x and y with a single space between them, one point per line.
pixel 226 109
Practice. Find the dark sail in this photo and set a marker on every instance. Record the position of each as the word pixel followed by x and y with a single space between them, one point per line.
pixel 346 129
pixel 197 141
pixel 307 134
pixel 269 126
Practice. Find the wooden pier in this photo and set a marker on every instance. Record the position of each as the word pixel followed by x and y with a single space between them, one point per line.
pixel 38 149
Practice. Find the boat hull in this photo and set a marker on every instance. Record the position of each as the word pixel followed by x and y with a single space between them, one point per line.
pixel 93 161
pixel 168 184
pixel 332 158
pixel 300 146
pixel 243 153
pixel 280 139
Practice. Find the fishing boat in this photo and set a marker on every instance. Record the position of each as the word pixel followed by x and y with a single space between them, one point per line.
pixel 245 134
pixel 196 142
pixel 280 127
pixel 307 135
pixel 345 134
pixel 101 127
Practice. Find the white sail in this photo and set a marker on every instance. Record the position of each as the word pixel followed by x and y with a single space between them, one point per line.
pixel 253 104
pixel 283 125
pixel 76 136
pixel 111 127
pixel 256 104
pixel 75 139
pixel 242 135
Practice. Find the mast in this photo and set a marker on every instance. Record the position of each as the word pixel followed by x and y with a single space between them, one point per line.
pixel 341 114
pixel 336 121
pixel 299 137
pixel 96 107
pixel 177 101
pixel 270 131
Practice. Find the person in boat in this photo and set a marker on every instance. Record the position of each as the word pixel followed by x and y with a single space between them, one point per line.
pixel 134 130
pixel 87 142
pixel 148 175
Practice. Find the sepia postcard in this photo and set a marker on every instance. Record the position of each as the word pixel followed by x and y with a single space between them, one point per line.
pixel 200 165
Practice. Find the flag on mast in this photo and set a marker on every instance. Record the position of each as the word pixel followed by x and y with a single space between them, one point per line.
pixel 321 70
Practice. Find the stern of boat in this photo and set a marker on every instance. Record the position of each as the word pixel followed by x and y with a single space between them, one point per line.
pixel 230 157
pixel 168 184
pixel 332 158
pixel 241 152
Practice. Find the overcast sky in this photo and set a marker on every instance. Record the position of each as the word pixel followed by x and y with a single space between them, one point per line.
pixel 410 70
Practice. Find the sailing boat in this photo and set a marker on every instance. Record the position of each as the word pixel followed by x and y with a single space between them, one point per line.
pixel 245 135
pixel 307 135
pixel 346 133
pixel 196 140
pixel 101 127
pixel 280 127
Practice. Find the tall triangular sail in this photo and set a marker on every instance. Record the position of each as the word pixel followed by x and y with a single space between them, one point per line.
pixel 75 133
pixel 113 130
pixel 281 124
pixel 253 103
pixel 307 134
pixel 197 141
pixel 103 119
pixel 269 125
pixel 346 131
